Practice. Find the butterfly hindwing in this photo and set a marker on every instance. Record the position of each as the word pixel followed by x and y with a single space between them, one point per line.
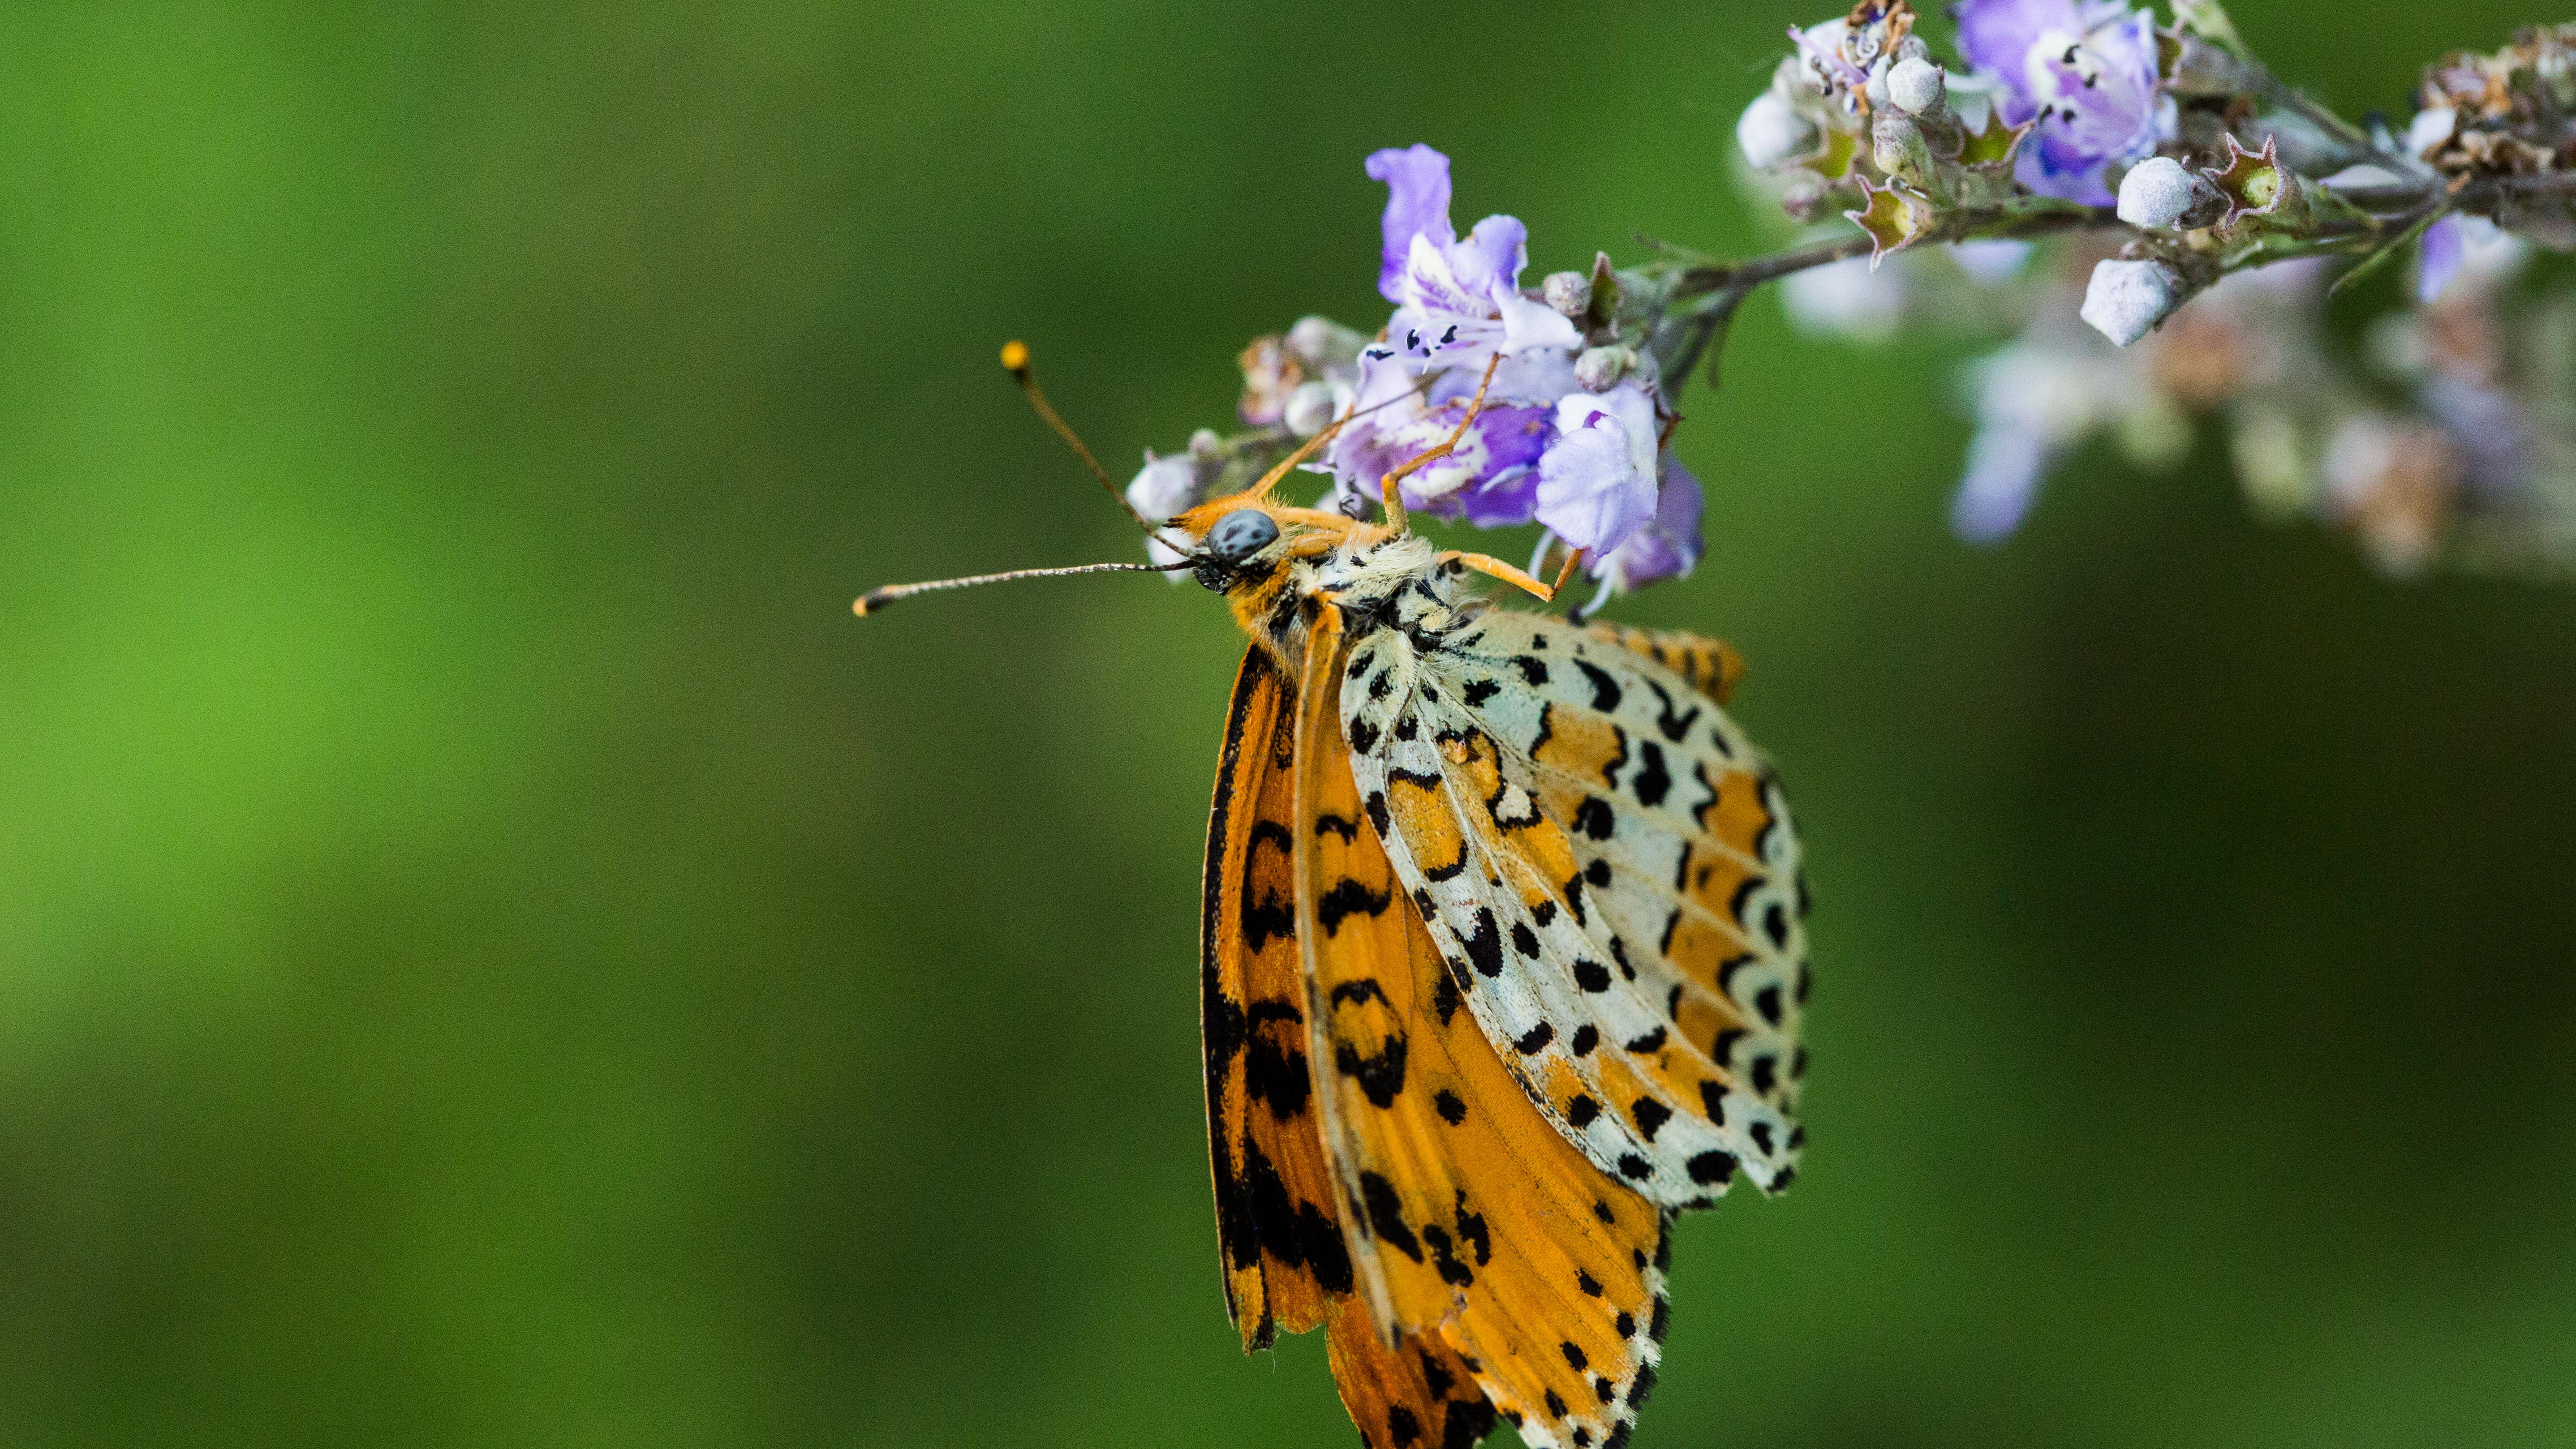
pixel 1591 834
pixel 1470 1218
pixel 1280 1239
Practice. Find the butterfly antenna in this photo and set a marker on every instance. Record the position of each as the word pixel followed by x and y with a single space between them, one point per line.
pixel 1015 361
pixel 875 600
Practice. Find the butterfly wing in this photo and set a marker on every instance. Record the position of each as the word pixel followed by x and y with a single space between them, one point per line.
pixel 1614 861
pixel 1280 1240
pixel 1477 1232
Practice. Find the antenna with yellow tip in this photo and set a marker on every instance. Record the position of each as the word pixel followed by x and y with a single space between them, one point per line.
pixel 1015 361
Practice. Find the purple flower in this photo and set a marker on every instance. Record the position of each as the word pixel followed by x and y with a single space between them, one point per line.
pixel 1667 547
pixel 2086 70
pixel 1457 302
pixel 1489 480
pixel 1596 484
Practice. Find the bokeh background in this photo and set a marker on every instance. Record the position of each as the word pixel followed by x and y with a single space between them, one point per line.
pixel 492 953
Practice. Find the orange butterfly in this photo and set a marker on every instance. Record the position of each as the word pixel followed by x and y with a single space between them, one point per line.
pixel 1501 964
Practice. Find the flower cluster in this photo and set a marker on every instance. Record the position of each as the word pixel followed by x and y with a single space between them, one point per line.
pixel 2156 220
pixel 2175 167
pixel 1570 432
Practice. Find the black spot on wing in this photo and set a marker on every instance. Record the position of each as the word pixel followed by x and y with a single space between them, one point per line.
pixel 1363 736
pixel 1675 727
pixel 1451 1110
pixel 1386 1215
pixel 1485 944
pixel 1445 999
pixel 1582 1110
pixel 1479 692
pixel 1586 1037
pixel 1592 976
pixel 1594 818
pixel 1651 1116
pixel 1652 782
pixel 1532 669
pixel 1380 1074
pixel 1605 690
pixel 1444 1257
pixel 1348 898
pixel 1376 805
pixel 1535 1040
pixel 1274 1071
pixel 1328 823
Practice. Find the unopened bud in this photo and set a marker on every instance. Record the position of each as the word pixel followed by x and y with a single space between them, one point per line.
pixel 1206 443
pixel 1600 368
pixel 1876 88
pixel 2125 300
pixel 1770 132
pixel 1897 145
pixel 1912 48
pixel 1310 409
pixel 2162 192
pixel 1917 87
pixel 1321 342
pixel 1570 293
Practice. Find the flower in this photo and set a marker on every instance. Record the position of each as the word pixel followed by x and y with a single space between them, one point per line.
pixel 2125 300
pixel 2085 70
pixel 1396 417
pixel 1667 547
pixel 1596 483
pixel 1458 303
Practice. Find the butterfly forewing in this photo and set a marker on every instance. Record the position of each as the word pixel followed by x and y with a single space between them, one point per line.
pixel 1279 1237
pixel 1470 1216
pixel 1612 860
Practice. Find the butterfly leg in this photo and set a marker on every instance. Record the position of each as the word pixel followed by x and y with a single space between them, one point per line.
pixel 1475 405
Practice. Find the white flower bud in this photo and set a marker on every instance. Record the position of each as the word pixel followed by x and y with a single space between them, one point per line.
pixel 1770 132
pixel 1897 144
pixel 1600 368
pixel 1918 87
pixel 1876 89
pixel 2156 192
pixel 1570 293
pixel 1310 408
pixel 1206 443
pixel 1912 48
pixel 1164 486
pixel 2125 300
pixel 1322 344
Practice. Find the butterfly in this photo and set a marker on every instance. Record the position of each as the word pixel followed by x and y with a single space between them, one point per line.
pixel 1502 959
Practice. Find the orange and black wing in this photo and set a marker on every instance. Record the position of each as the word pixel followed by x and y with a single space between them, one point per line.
pixel 1482 1241
pixel 1279 1237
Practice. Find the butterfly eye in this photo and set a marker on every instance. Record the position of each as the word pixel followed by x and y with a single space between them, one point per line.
pixel 1241 534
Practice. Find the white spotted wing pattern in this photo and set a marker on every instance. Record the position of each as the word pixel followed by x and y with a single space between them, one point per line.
pixel 1610 868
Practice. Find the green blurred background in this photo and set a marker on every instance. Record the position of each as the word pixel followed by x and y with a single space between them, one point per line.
pixel 491 952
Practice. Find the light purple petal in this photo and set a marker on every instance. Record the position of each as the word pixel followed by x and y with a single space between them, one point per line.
pixel 1491 257
pixel 1528 325
pixel 2444 249
pixel 2088 72
pixel 1596 482
pixel 1995 35
pixel 1417 204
